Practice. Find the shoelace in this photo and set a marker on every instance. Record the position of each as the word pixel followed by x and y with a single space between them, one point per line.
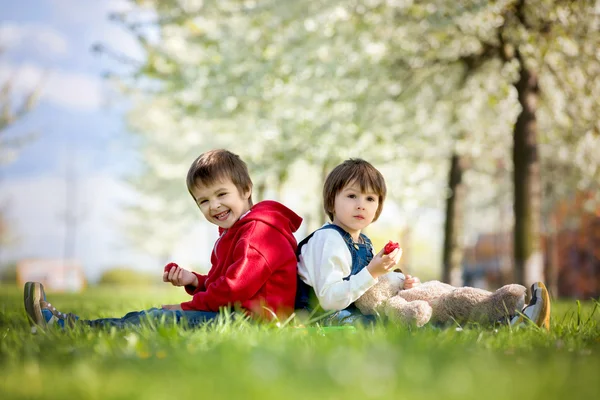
pixel 56 313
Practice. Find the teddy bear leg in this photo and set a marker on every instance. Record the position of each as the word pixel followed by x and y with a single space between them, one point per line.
pixel 460 305
pixel 467 304
pixel 410 313
pixel 427 291
pixel 506 302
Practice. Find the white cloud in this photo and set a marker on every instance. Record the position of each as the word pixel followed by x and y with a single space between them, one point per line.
pixel 67 89
pixel 118 5
pixel 99 29
pixel 74 90
pixel 44 40
pixel 24 78
pixel 88 11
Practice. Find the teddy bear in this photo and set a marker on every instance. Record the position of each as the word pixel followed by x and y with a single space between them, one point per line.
pixel 439 303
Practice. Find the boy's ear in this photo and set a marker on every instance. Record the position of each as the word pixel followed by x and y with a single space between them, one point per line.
pixel 247 194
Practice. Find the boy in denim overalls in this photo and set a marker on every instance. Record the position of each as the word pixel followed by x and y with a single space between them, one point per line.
pixel 336 263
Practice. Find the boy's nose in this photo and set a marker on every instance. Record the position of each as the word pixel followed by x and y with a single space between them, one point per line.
pixel 215 204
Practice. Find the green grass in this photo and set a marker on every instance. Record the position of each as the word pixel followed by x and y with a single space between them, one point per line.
pixel 240 360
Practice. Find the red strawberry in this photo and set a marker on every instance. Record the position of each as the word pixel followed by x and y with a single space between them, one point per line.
pixel 390 246
pixel 169 266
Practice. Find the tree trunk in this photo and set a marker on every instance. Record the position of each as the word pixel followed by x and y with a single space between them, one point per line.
pixel 526 176
pixel 260 191
pixel 552 246
pixel 453 249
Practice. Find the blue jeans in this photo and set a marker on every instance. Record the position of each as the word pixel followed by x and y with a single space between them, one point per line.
pixel 190 319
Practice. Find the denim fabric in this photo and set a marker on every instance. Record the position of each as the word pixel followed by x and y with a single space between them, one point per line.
pixel 362 254
pixel 190 319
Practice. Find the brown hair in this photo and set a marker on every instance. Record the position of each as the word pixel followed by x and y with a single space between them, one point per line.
pixel 217 165
pixel 353 170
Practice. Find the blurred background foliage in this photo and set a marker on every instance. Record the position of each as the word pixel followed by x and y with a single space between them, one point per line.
pixel 123 276
pixel 484 110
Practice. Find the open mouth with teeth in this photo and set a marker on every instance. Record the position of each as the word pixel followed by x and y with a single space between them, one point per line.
pixel 222 216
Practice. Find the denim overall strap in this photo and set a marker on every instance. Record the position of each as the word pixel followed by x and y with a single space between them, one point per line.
pixel 362 254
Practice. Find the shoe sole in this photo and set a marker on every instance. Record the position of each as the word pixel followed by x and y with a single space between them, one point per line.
pixel 32 295
pixel 542 315
pixel 543 318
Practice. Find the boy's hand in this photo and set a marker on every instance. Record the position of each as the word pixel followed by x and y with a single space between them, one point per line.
pixel 173 307
pixel 411 281
pixel 382 263
pixel 179 276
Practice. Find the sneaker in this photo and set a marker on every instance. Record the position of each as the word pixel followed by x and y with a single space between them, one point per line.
pixel 40 312
pixel 33 294
pixel 538 309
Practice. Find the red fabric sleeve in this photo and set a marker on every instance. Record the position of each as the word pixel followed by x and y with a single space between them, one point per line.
pixel 191 289
pixel 241 281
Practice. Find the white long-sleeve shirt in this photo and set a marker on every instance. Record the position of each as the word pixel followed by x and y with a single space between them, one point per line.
pixel 324 262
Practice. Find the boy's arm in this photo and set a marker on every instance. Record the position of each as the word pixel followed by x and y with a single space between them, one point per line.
pixel 178 276
pixel 243 278
pixel 195 289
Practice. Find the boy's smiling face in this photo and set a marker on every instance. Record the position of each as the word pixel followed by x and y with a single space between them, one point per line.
pixel 354 209
pixel 221 203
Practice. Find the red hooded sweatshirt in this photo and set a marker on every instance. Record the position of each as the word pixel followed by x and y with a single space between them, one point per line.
pixel 253 264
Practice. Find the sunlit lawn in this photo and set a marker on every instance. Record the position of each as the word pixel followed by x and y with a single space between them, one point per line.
pixel 240 360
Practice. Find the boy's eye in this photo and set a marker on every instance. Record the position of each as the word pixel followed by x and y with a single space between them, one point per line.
pixel 202 202
pixel 351 196
pixel 222 194
pixel 371 198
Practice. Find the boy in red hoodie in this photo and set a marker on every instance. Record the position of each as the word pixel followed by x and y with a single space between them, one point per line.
pixel 253 261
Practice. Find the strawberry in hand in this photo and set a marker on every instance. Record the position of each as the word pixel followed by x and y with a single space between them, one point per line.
pixel 179 276
pixel 390 246
pixel 169 266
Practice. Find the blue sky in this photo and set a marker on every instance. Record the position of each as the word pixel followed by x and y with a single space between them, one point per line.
pixel 78 121
pixel 54 37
